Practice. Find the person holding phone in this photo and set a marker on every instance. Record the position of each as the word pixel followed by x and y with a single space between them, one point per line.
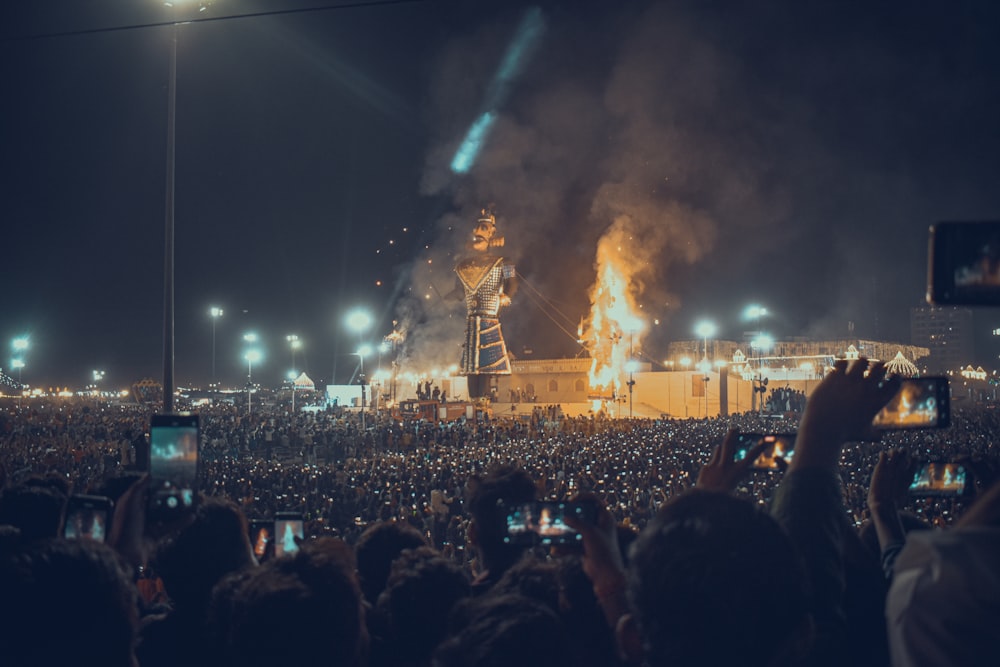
pixel 213 544
pixel 713 565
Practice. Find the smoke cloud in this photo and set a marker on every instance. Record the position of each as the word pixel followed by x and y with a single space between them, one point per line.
pixel 716 140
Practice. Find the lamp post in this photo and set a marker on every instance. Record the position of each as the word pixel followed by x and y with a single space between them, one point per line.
pixel 18 364
pixel 761 343
pixel 362 351
pixel 20 345
pixel 294 343
pixel 631 368
pixel 705 330
pixel 395 338
pixel 359 321
pixel 168 226
pixel 755 312
pixel 251 355
pixel 215 313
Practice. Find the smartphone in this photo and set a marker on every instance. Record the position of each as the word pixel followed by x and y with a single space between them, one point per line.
pixel 784 448
pixel 964 264
pixel 87 517
pixel 920 403
pixel 261 537
pixel 545 522
pixel 173 463
pixel 939 479
pixel 287 527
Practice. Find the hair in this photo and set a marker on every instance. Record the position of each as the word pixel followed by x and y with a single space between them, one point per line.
pixel 504 631
pixel 502 485
pixel 214 544
pixel 711 563
pixel 592 640
pixel 35 507
pixel 421 592
pixel 66 602
pixel 379 545
pixel 304 610
pixel 531 578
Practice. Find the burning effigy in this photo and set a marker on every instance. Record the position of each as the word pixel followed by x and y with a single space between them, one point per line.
pixel 612 333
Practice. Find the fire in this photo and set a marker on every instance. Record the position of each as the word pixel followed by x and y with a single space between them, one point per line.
pixel 612 335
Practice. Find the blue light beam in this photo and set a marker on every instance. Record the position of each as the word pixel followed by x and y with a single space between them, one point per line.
pixel 466 155
pixel 518 53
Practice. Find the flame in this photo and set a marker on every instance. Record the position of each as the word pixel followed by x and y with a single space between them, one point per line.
pixel 612 334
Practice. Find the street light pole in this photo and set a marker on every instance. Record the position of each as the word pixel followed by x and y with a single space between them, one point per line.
pixel 705 329
pixel 251 355
pixel 631 370
pixel 361 379
pixel 215 313
pixel 294 343
pixel 168 243
pixel 20 346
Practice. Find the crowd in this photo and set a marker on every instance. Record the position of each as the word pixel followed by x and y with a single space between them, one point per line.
pixel 411 508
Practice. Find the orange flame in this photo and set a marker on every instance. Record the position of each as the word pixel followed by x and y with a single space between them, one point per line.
pixel 612 334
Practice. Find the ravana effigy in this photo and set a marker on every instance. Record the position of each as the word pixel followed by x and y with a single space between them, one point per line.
pixel 489 283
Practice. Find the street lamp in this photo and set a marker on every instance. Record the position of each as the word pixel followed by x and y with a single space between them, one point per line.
pixel 631 366
pixel 20 345
pixel 294 343
pixel 215 313
pixel 755 312
pixel 168 225
pixel 358 321
pixel 762 343
pixel 705 330
pixel 251 355
pixel 362 351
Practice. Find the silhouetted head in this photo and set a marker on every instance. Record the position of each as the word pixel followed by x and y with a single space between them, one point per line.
pixel 712 581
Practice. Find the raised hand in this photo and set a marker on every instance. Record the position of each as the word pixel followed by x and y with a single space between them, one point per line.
pixel 722 473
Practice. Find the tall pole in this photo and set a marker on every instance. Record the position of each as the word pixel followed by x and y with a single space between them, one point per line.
pixel 214 318
pixel 215 314
pixel 249 385
pixel 362 378
pixel 631 379
pixel 293 342
pixel 168 245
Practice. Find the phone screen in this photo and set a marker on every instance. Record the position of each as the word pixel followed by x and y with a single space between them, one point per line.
pixel 173 461
pixel 939 479
pixel 87 517
pixel 261 535
pixel 286 530
pixel 919 403
pixel 964 263
pixel 783 448
pixel 545 522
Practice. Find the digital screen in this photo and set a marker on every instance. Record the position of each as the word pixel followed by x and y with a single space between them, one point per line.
pixel 86 523
pixel 784 448
pixel 173 461
pixel 546 521
pixel 261 534
pixel 285 532
pixel 966 263
pixel 939 479
pixel 916 405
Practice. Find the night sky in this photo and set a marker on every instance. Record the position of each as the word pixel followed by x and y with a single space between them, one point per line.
pixel 788 154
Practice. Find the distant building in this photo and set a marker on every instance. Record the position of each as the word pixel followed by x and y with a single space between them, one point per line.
pixel 796 353
pixel 948 334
